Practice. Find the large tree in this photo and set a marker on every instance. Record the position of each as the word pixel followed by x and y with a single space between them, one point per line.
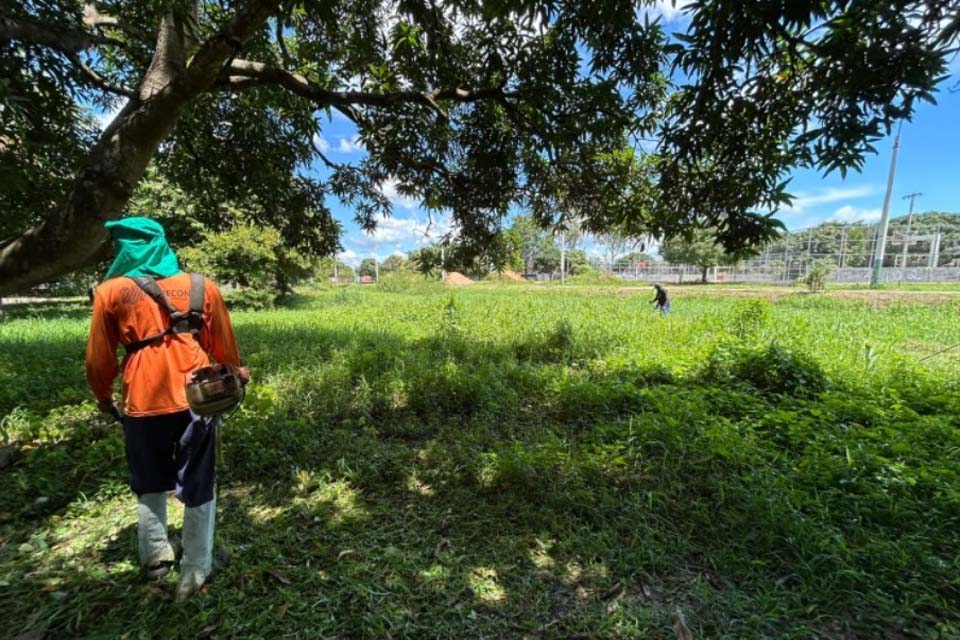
pixel 394 262
pixel 368 267
pixel 470 105
pixel 699 249
pixel 616 241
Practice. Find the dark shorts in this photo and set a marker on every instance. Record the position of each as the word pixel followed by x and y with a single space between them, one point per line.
pixel 173 452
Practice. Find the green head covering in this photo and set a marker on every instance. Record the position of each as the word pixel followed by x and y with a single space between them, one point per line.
pixel 142 249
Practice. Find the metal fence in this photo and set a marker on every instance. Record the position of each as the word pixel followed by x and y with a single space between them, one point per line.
pixel 771 272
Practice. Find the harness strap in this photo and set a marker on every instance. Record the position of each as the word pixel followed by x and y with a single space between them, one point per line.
pixel 133 347
pixel 190 321
pixel 152 289
pixel 197 292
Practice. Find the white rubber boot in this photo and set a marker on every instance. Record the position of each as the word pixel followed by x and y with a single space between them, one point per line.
pixel 156 552
pixel 197 561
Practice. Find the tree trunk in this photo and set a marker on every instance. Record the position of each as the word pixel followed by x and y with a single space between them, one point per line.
pixel 115 165
pixel 102 189
pixel 703 274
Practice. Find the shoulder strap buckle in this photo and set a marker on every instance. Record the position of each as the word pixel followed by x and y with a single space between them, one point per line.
pixel 190 321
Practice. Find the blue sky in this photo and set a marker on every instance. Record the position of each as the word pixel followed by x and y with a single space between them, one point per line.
pixel 927 163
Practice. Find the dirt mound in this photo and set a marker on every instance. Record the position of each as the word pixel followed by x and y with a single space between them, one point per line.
pixel 511 275
pixel 457 278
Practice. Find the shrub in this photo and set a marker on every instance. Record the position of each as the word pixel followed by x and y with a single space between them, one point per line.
pixel 750 317
pixel 250 298
pixel 772 369
pixel 252 261
pixel 561 343
pixel 403 280
pixel 820 271
pixel 594 278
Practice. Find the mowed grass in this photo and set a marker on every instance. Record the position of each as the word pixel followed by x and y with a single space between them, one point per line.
pixel 517 462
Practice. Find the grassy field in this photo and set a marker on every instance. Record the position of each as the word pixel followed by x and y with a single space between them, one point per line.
pixel 518 462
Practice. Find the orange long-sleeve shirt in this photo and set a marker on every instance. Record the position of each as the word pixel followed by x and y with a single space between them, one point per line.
pixel 154 377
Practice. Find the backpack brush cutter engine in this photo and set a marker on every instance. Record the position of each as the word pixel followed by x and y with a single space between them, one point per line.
pixel 215 390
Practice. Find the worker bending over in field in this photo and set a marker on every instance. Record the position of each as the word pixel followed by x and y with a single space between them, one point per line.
pixel 661 300
pixel 170 323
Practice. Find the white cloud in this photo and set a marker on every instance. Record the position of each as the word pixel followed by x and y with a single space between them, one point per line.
pixel 321 142
pixel 397 232
pixel 849 213
pixel 669 10
pixel 105 118
pixel 349 256
pixel 389 189
pixel 352 145
pixel 529 25
pixel 344 145
pixel 804 201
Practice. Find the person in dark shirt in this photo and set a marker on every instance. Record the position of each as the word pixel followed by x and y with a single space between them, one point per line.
pixel 661 300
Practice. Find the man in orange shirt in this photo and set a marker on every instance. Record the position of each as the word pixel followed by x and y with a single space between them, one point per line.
pixel 168 447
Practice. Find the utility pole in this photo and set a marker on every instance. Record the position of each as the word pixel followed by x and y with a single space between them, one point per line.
pixel 935 249
pixel 843 244
pixel 376 268
pixel 906 238
pixel 563 256
pixel 786 257
pixel 885 216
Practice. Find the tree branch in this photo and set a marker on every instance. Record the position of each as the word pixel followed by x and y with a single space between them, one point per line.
pixel 99 80
pixel 327 161
pixel 67 42
pixel 281 42
pixel 94 19
pixel 350 113
pixel 244 74
pixel 212 55
pixel 63 40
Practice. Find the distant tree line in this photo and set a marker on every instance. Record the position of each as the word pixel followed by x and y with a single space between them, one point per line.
pixel 853 244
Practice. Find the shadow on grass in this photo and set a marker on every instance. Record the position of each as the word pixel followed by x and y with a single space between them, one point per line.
pixel 39 376
pixel 71 308
pixel 377 486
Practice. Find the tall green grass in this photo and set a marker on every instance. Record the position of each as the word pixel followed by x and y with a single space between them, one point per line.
pixel 519 462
